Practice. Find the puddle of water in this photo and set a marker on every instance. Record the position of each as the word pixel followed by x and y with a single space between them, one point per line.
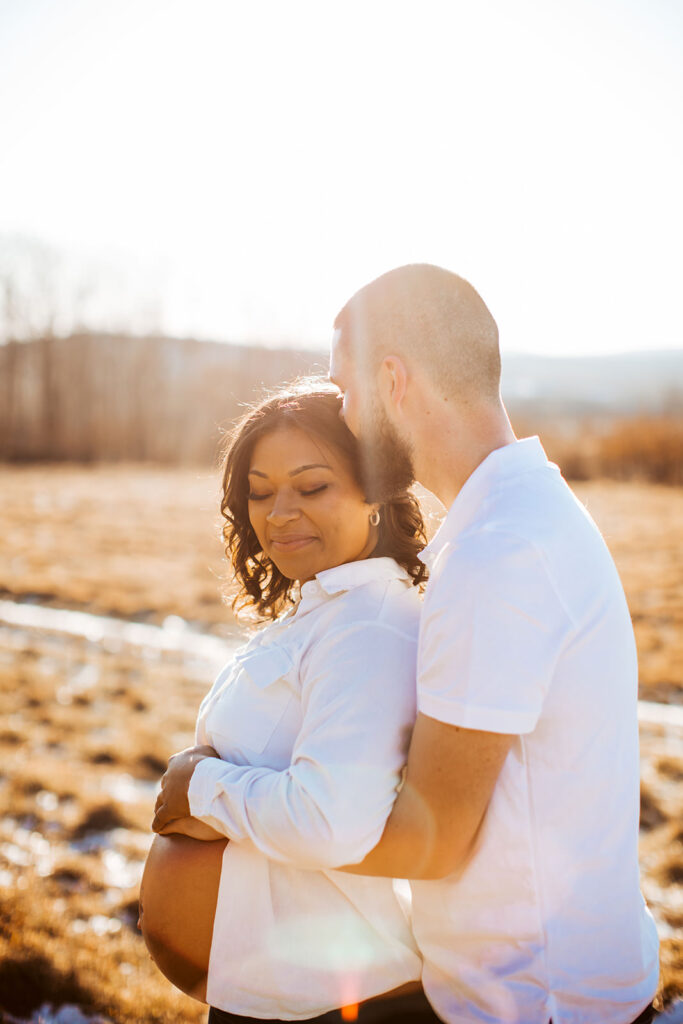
pixel 175 635
pixel 66 1014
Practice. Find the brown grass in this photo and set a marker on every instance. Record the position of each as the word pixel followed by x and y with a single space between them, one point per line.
pixel 72 819
pixel 642 448
pixel 133 541
pixel 78 765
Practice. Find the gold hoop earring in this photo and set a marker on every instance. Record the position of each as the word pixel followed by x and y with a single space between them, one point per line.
pixel 374 518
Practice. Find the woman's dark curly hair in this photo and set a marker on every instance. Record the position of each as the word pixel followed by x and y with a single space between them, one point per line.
pixel 314 407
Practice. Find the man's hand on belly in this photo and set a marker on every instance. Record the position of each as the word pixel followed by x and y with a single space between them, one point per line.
pixel 172 802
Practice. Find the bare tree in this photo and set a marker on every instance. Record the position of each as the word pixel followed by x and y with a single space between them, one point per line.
pixel 29 288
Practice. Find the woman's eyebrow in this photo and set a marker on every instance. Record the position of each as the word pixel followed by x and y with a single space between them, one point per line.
pixel 311 465
pixel 294 472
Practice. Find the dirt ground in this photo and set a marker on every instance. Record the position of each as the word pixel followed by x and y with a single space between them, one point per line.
pixel 87 725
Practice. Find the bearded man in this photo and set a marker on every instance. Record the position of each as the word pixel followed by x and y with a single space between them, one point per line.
pixel 518 818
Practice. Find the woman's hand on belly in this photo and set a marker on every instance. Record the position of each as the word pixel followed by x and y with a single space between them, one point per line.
pixel 172 802
pixel 177 907
pixel 191 827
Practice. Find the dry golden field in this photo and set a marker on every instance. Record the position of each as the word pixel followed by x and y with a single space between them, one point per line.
pixel 89 721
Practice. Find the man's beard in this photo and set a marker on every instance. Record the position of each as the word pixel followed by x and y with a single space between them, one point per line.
pixel 387 460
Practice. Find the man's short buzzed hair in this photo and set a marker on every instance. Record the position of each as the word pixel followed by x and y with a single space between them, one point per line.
pixel 426 314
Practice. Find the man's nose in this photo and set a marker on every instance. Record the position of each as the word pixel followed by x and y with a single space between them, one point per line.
pixel 285 509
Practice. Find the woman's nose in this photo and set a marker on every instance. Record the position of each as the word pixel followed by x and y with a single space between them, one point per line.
pixel 284 510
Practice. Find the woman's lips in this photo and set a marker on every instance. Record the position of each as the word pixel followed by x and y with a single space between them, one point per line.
pixel 290 543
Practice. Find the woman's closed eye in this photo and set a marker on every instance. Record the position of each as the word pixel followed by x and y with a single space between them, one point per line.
pixel 314 490
pixel 307 493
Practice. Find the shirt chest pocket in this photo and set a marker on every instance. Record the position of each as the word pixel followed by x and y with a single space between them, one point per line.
pixel 248 709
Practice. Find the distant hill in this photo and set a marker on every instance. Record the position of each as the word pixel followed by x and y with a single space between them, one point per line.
pixel 624 384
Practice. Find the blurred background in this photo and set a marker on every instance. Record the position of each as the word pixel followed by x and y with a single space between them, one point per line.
pixel 188 194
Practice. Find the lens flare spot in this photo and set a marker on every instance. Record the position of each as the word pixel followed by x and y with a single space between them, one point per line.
pixel 350 1012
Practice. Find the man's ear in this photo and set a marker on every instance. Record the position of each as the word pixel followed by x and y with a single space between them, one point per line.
pixel 393 380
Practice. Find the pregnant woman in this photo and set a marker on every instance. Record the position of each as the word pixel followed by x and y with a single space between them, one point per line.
pixel 300 743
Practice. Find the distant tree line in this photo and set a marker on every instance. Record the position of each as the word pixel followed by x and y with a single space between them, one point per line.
pixel 91 397
pixel 100 397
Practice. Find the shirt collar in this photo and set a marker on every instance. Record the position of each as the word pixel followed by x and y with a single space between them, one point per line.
pixel 500 466
pixel 348 576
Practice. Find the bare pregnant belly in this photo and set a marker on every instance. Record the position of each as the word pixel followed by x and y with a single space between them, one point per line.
pixel 177 906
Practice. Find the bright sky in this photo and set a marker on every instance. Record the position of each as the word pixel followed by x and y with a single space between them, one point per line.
pixel 252 163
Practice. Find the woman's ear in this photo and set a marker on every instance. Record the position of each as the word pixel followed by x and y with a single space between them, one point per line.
pixel 393 380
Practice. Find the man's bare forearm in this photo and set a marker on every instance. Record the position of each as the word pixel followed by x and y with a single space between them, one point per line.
pixel 435 820
pixel 409 847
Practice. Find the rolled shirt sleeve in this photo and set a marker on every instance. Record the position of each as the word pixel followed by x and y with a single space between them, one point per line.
pixel 329 806
pixel 488 645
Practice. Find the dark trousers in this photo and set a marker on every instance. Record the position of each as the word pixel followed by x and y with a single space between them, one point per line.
pixel 409 1009
pixel 412 1009
pixel 645 1017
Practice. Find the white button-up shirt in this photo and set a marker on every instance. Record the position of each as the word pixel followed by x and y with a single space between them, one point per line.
pixel 525 630
pixel 312 719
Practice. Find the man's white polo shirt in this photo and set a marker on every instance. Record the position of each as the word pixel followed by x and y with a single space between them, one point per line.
pixel 312 719
pixel 525 630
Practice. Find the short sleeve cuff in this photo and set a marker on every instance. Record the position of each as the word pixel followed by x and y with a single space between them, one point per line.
pixel 202 788
pixel 469 716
